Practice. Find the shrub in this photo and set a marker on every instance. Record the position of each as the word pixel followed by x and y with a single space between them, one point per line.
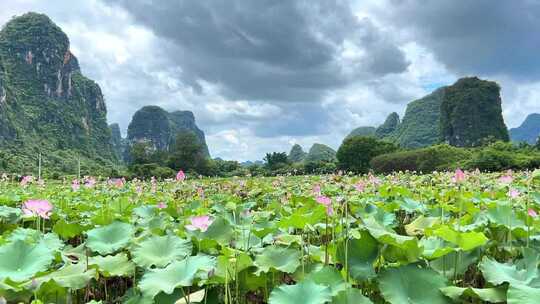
pixel 439 157
pixel 149 170
pixel 355 153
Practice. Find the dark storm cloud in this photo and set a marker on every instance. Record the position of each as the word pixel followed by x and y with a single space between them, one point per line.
pixel 267 50
pixel 297 120
pixel 476 37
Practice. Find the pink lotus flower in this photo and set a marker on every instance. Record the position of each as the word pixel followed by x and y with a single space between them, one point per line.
pixel 41 208
pixel 200 192
pixel 89 182
pixel 161 205
pixel 459 176
pixel 180 176
pixel 375 181
pixel 531 212
pixel 317 190
pixel 199 223
pixel 506 179
pixel 25 180
pixel 119 183
pixel 327 202
pixel 360 186
pixel 75 185
pixel 513 193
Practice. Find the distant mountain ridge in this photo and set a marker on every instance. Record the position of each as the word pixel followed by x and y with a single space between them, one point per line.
pixel 462 114
pixel 159 127
pixel 528 131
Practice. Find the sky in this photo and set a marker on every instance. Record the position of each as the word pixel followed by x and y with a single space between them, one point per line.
pixel 263 75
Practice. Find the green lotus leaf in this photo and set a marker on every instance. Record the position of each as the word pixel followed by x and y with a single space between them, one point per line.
pixel 435 247
pixel 412 284
pixel 446 264
pixel 178 273
pixel 160 251
pixel 220 230
pixel 504 215
pixel 9 214
pixel 305 292
pixel 497 273
pixel 232 264
pixel 282 259
pixel 522 294
pixel 351 296
pixel 110 238
pixel 492 295
pixel 361 254
pixel 409 245
pixel 67 230
pixel 20 261
pixel 72 276
pixel 113 265
pixel 51 240
pixel 410 205
pixel 306 215
pixel 465 240
pixel 329 277
pixel 420 224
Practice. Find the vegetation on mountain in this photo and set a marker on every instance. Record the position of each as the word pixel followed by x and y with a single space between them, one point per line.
pixel 420 126
pixel 362 131
pixel 320 153
pixel 297 154
pixel 160 128
pixel 528 131
pixel 389 126
pixel 471 112
pixel 47 106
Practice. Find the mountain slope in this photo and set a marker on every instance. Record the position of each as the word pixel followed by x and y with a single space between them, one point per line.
pixel 159 127
pixel 320 152
pixel 46 104
pixel 528 131
pixel 471 112
pixel 296 154
pixel 420 124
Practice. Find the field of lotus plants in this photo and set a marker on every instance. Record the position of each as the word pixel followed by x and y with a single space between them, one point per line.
pixel 450 237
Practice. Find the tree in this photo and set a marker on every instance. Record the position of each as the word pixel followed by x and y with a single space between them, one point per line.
pixel 140 153
pixel 188 153
pixel 356 152
pixel 276 160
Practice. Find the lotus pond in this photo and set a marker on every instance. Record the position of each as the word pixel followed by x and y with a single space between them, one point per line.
pixel 459 237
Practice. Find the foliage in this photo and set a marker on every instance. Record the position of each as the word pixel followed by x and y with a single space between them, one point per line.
pixel 386 239
pixel 389 126
pixel 160 128
pixel 355 153
pixel 297 154
pixel 471 111
pixel 494 157
pixel 440 157
pixel 188 153
pixel 320 153
pixel 362 131
pixel 48 106
pixel 420 124
pixel 276 160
